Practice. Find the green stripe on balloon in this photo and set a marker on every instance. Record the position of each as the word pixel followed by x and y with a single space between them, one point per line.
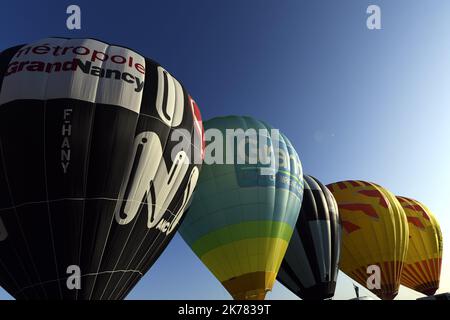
pixel 241 231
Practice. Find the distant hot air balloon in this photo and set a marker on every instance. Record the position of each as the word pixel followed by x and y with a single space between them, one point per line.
pixel 310 266
pixel 90 193
pixel 243 215
pixel 422 268
pixel 374 238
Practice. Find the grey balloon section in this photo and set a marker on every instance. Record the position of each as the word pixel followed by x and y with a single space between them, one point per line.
pixel 310 266
pixel 87 178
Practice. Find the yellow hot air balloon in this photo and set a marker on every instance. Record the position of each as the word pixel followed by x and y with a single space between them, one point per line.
pixel 375 236
pixel 422 268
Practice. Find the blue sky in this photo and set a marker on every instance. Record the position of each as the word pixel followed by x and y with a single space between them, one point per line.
pixel 356 103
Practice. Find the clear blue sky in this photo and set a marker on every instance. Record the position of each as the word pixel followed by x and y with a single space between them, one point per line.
pixel 356 104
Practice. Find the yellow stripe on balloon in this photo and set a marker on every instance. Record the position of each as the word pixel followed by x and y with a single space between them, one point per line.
pixel 246 256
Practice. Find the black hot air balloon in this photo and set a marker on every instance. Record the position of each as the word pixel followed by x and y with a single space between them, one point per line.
pixel 310 266
pixel 92 181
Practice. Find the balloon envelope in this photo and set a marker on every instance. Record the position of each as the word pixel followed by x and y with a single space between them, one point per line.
pixel 422 268
pixel 310 266
pixel 241 220
pixel 374 238
pixel 90 194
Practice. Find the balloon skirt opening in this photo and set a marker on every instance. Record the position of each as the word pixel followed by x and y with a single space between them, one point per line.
pixel 250 286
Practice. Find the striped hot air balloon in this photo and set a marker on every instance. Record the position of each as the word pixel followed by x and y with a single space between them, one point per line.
pixel 422 268
pixel 310 266
pixel 375 235
pixel 241 220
